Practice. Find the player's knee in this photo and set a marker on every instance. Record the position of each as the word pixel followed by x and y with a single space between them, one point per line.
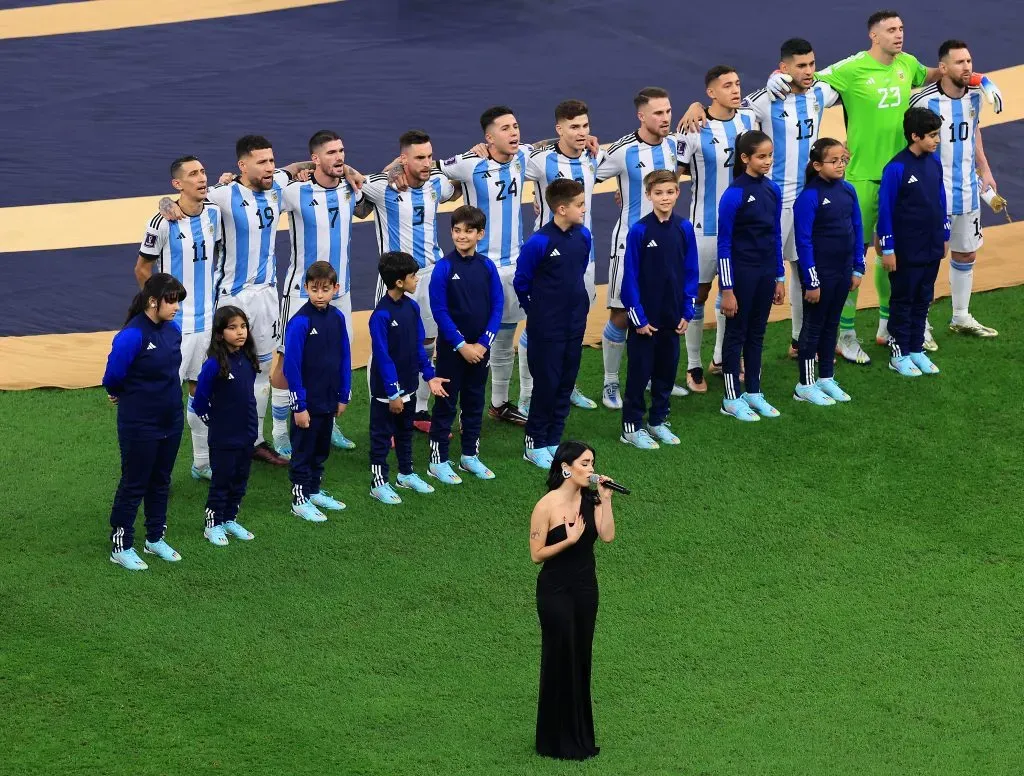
pixel 702 292
pixel 963 258
pixel 617 317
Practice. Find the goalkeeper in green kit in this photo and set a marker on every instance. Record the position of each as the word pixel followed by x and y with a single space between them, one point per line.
pixel 875 86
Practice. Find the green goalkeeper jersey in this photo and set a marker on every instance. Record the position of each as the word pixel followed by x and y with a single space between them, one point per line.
pixel 875 97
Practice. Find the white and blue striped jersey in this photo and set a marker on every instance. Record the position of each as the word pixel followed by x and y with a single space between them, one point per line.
pixel 407 220
pixel 187 249
pixel 250 228
pixel 628 160
pixel 548 164
pixel 497 189
pixel 957 145
pixel 321 230
pixel 710 155
pixel 793 125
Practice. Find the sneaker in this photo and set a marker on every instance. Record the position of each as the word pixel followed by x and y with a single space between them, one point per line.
pixel 969 325
pixel 421 421
pixel 283 447
pixel 849 348
pixel 904 366
pixel 760 405
pixel 882 334
pixel 579 400
pixel 929 341
pixel 264 452
pixel 829 387
pixel 695 380
pixel 385 494
pixel 202 472
pixel 235 528
pixel 341 441
pixel 162 550
pixel 507 413
pixel 325 500
pixel 473 465
pixel 678 390
pixel 922 362
pixel 444 472
pixel 216 535
pixel 524 407
pixel 663 433
pixel 739 409
pixel 640 439
pixel 813 395
pixel 129 559
pixel 715 368
pixel 413 482
pixel 610 396
pixel 307 511
pixel 538 456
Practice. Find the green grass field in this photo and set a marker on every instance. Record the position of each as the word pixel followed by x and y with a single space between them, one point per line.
pixel 834 592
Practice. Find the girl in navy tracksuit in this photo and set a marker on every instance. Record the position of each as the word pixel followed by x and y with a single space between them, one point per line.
pixel 142 379
pixel 225 402
pixel 750 271
pixel 829 246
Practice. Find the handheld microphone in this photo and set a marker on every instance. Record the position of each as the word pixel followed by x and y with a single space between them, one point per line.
pixel 595 479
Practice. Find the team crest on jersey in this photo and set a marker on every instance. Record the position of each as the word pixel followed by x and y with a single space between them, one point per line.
pixel 516 166
pixel 272 195
pixel 901 76
pixel 590 166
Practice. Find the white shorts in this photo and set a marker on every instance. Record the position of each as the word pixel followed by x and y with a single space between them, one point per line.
pixel 422 297
pixel 193 354
pixel 788 234
pixel 707 256
pixel 292 303
pixel 512 312
pixel 261 307
pixel 616 266
pixel 588 281
pixel 965 232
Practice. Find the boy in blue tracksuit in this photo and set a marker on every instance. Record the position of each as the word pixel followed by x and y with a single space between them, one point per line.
pixel 913 230
pixel 397 359
pixel 318 367
pixel 467 300
pixel 658 288
pixel 549 283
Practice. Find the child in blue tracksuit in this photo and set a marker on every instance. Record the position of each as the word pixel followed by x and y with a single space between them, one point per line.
pixel 142 379
pixel 318 367
pixel 467 300
pixel 225 402
pixel 658 288
pixel 913 230
pixel 830 249
pixel 397 358
pixel 549 283
pixel 750 272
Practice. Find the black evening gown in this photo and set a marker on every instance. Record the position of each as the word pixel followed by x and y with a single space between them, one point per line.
pixel 567 607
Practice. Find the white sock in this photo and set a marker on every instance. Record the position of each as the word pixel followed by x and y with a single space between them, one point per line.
pixel 613 344
pixel 200 441
pixel 694 335
pixel 961 281
pixel 261 389
pixel 280 409
pixel 719 330
pixel 423 390
pixel 502 356
pixel 525 376
pixel 796 299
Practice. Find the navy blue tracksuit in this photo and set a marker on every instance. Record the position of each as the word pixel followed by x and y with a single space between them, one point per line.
pixel 398 359
pixel 550 287
pixel 142 374
pixel 318 368
pixel 749 263
pixel 467 299
pixel 912 223
pixel 659 284
pixel 227 405
pixel 830 248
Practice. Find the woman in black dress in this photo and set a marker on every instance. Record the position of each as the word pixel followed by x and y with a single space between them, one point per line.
pixel 563 528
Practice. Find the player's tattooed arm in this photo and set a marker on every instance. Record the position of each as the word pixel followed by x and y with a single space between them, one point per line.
pixel 169 209
pixel 299 171
pixel 364 208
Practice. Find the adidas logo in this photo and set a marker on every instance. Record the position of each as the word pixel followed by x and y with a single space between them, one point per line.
pixel 394 323
pixel 751 198
pixel 245 203
pixel 697 225
pixel 313 202
pixel 826 201
pixel 714 141
pixel 231 376
pixel 312 331
pixel 456 276
pixel 150 346
pixel 640 164
pixel 870 81
pixel 784 115
pixel 912 179
pixel 555 253
pixel 181 236
pixel 652 244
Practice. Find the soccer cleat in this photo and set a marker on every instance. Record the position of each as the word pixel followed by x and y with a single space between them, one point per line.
pixel 524 407
pixel 929 341
pixel 307 511
pixel 829 387
pixel 579 400
pixel 695 380
pixel 849 348
pixel 641 439
pixel 882 334
pixel 325 500
pixel 202 472
pixel 538 456
pixel 129 559
pixel 264 452
pixel 715 368
pixel 610 396
pixel 216 535
pixel 507 413
pixel 283 446
pixel 443 471
pixel 413 482
pixel 552 449
pixel 236 530
pixel 663 433
pixel 385 494
pixel 812 394
pixel 421 421
pixel 162 550
pixel 922 362
pixel 473 465
pixel 760 405
pixel 341 441
pixel 969 325
pixel 904 366
pixel 739 409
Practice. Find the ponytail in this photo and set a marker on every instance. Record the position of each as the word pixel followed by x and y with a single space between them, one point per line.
pixel 746 143
pixel 160 286
pixel 817 154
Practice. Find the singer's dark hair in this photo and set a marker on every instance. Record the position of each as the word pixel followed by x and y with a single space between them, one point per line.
pixel 567 453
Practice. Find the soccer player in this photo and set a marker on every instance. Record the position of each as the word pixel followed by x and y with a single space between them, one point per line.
pixel 187 249
pixel 321 210
pixel 709 156
pixel 965 170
